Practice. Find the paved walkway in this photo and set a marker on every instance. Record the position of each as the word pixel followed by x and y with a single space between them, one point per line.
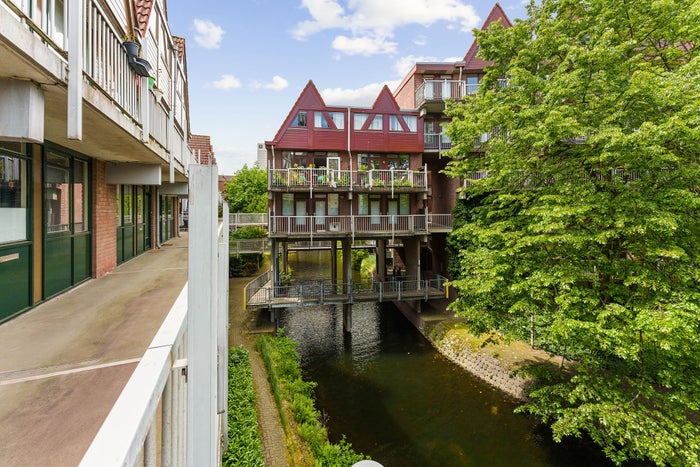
pixel 64 363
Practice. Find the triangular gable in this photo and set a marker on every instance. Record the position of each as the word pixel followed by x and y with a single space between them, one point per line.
pixel 309 99
pixel 472 62
pixel 385 102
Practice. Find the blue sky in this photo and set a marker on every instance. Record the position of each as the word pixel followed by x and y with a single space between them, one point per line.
pixel 248 60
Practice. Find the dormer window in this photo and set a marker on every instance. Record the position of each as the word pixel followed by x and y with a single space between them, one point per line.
pixel 299 119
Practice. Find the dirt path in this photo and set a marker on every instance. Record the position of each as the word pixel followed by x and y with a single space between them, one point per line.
pixel 242 327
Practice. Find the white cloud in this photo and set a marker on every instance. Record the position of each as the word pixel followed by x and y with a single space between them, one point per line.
pixel 420 40
pixel 404 64
pixel 363 45
pixel 360 97
pixel 277 84
pixel 227 82
pixel 208 34
pixel 372 23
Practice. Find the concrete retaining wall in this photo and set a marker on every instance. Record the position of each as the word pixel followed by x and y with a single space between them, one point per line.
pixel 483 366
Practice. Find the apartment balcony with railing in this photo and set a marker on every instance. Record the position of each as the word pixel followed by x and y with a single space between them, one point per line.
pixel 150 108
pixel 324 179
pixel 363 226
pixel 436 142
pixel 437 91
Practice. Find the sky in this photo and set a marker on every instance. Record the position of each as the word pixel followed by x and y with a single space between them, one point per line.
pixel 248 60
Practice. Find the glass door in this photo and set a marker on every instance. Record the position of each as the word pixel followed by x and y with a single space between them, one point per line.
pixel 320 214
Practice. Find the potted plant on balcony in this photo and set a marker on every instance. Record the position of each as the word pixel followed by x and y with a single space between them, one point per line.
pixel 131 46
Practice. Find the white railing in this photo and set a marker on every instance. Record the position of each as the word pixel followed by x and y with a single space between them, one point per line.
pixel 106 63
pixel 443 89
pixel 191 346
pixel 313 178
pixel 249 245
pixel 247 218
pixel 392 224
pixel 128 435
pixel 46 18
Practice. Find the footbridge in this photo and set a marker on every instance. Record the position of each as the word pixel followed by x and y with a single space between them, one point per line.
pixel 261 293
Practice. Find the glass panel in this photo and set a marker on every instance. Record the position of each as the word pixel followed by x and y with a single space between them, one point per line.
pixel 128 204
pixel 57 191
pixel 13 199
pixel 376 122
pixel 299 119
pixel 374 206
pixel 301 212
pixel 320 120
pixel 320 212
pixel 403 162
pixel 405 204
pixel 333 204
pixel 363 204
pixel 119 205
pixel 393 211
pixel 81 216
pixel 412 122
pixel 139 205
pixel 287 204
pixel 360 120
pixel 338 119
pixel 394 124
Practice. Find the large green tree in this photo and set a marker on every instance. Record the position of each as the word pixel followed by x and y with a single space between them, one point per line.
pixel 585 236
pixel 247 190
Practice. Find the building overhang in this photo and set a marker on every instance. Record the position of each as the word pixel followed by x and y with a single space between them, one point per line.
pixel 132 174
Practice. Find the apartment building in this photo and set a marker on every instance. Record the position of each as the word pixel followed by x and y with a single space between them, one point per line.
pixel 426 88
pixel 345 174
pixel 94 127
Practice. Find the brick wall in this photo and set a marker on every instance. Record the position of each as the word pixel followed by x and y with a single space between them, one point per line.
pixel 104 223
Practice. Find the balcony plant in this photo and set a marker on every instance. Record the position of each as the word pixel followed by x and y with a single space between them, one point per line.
pixel 131 46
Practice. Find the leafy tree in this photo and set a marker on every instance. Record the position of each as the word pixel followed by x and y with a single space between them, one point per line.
pixel 247 190
pixel 586 236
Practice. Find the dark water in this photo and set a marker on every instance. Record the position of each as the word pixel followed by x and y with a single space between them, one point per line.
pixel 400 402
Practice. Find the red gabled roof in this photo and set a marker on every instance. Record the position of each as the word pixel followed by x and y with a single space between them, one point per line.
pixel 309 99
pixel 472 62
pixel 385 102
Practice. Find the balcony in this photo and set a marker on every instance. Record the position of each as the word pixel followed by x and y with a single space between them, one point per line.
pixel 363 226
pixel 114 98
pixel 309 179
pixel 437 142
pixel 433 93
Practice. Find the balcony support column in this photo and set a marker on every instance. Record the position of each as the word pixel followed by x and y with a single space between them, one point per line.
pixel 275 263
pixel 381 259
pixel 285 257
pixel 334 261
pixel 347 318
pixel 412 259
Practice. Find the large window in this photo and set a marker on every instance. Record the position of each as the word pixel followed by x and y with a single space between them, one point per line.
pixel 13 199
pixel 80 196
pixel 360 120
pixel 412 122
pixel 338 119
pixel 376 123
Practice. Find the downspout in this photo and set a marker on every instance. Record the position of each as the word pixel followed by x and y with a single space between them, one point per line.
pixel 352 220
pixel 171 122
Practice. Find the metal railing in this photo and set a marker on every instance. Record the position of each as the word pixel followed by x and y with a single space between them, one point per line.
pixel 389 224
pixel 329 178
pixel 443 89
pixel 245 218
pixel 249 245
pixel 261 292
pixel 436 142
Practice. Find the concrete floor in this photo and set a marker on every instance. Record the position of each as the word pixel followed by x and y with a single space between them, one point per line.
pixel 64 363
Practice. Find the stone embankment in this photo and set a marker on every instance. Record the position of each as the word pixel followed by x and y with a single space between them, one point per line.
pixel 492 368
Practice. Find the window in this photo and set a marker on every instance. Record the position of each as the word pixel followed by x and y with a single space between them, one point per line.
pixel 287 204
pixel 320 120
pixel 299 120
pixel 57 193
pixel 13 199
pixel 376 122
pixel 411 122
pixel 80 196
pixel 404 204
pixel 394 123
pixel 360 120
pixel 403 162
pixel 363 204
pixel 338 119
pixel 333 204
pixel 472 84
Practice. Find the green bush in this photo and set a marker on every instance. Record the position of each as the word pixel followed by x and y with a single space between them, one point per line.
pixel 244 444
pixel 284 372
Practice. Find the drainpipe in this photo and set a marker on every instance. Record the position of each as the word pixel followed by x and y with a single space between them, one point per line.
pixel 352 220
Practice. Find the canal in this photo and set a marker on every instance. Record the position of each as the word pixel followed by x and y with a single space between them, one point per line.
pixel 399 401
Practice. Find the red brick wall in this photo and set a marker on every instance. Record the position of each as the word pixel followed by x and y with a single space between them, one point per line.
pixel 104 223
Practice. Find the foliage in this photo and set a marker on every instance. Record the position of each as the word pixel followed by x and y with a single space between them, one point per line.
pixel 248 231
pixel 357 256
pixel 585 233
pixel 247 190
pixel 244 443
pixel 284 371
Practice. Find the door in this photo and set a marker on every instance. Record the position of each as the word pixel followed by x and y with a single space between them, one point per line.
pixel 320 214
pixel 393 211
pixel 300 212
pixel 375 211
pixel 333 164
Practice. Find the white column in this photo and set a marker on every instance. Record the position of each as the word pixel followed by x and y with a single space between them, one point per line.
pixel 222 397
pixel 202 433
pixel 75 67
